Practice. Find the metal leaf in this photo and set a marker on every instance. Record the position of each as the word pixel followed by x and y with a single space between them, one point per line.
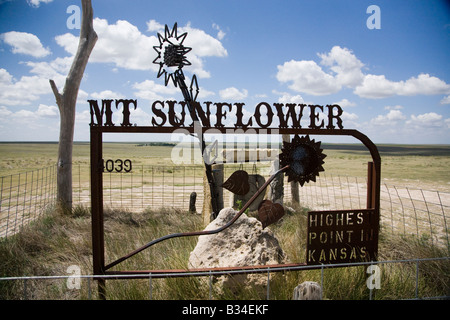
pixel 237 183
pixel 269 212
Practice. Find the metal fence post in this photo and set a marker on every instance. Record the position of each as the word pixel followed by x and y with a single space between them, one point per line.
pixel 210 285
pixel 417 278
pixel 150 284
pixel 321 282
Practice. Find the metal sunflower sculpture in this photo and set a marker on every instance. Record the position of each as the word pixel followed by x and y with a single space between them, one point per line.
pixel 304 158
pixel 171 60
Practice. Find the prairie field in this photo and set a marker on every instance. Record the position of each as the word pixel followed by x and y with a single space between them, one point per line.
pixel 419 165
pixel 57 240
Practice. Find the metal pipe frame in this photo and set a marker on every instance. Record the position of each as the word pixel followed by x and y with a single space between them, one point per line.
pixel 96 133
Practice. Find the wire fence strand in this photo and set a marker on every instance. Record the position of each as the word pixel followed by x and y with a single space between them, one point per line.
pixel 26 196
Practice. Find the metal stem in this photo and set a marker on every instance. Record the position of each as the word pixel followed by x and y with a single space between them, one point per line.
pixel 200 233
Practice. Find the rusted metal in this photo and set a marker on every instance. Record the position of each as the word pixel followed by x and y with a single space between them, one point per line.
pixel 305 158
pixel 200 233
pixel 172 54
pixel 301 159
pixel 341 236
pixel 269 212
pixel 237 183
pixel 96 133
pixel 98 242
pixel 166 273
pixel 97 186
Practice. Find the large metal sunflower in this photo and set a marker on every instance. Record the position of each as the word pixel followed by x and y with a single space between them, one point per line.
pixel 171 54
pixel 304 158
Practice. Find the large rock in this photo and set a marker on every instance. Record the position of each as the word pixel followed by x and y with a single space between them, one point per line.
pixel 244 243
pixel 308 290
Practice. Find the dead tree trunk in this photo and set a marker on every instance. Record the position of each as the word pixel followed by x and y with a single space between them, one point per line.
pixel 66 102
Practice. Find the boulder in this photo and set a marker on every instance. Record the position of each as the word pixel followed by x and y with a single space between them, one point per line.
pixel 244 243
pixel 308 290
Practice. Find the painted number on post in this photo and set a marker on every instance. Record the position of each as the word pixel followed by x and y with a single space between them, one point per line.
pixel 117 165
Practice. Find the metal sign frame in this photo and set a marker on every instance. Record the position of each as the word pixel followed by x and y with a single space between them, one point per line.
pixel 100 267
pixel 171 58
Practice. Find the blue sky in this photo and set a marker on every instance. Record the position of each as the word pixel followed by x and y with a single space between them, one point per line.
pixel 393 83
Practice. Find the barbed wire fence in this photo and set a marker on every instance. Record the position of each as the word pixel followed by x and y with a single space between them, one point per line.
pixel 407 210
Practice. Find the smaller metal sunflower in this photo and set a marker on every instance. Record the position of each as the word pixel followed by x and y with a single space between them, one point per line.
pixel 171 54
pixel 304 158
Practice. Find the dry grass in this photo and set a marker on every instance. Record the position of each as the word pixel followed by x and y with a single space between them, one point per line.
pixel 51 244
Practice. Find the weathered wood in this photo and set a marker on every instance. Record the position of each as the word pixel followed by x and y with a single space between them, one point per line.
pixel 192 200
pixel 217 171
pixel 66 102
pixel 295 195
pixel 276 190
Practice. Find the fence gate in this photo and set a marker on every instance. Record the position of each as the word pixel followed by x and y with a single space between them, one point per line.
pixel 344 236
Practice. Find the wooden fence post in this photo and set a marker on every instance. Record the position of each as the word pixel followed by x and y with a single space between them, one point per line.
pixel 276 193
pixel 217 170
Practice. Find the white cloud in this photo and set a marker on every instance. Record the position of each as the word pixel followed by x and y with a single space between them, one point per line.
pixel 288 98
pixel 43 111
pixel 121 44
pixel 53 69
pixel 47 111
pixel 25 43
pixel 220 33
pixel 83 117
pixel 345 103
pixel 23 91
pixel 37 3
pixel 430 119
pixel 377 86
pixel 307 77
pixel 397 107
pixel 126 47
pixel 389 119
pixel 107 94
pixel 203 93
pixel 202 44
pixel 346 71
pixel 4 112
pixel 153 26
pixel 5 77
pixel 447 122
pixel 445 100
pixel 424 84
pixel 345 64
pixel 150 90
pixel 349 116
pixel 350 120
pixel 233 93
